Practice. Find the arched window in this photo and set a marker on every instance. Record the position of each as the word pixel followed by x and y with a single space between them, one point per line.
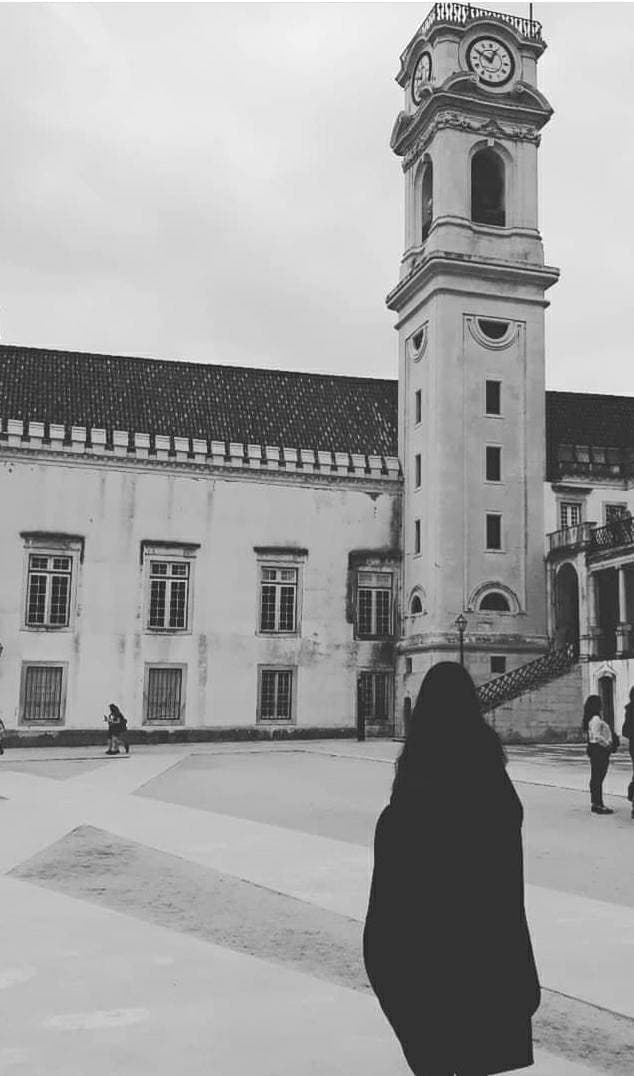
pixel 416 605
pixel 487 188
pixel 495 602
pixel 427 200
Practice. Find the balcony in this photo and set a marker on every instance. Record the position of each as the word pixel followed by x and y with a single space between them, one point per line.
pixel 617 534
pixel 462 14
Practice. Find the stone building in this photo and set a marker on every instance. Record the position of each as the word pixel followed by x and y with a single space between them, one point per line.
pixel 220 548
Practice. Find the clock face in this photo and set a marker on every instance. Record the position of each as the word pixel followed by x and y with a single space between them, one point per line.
pixel 491 60
pixel 422 75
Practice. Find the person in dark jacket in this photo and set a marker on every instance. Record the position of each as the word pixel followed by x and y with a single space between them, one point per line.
pixel 446 943
pixel 117 730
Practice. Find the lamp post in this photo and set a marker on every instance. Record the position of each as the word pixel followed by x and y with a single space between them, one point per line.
pixel 461 623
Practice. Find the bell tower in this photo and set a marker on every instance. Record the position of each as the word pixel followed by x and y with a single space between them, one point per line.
pixel 470 308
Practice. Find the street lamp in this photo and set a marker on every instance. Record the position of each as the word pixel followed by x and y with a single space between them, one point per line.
pixel 461 623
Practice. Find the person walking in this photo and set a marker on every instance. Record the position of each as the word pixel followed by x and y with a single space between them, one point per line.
pixel 601 743
pixel 117 731
pixel 628 731
pixel 446 944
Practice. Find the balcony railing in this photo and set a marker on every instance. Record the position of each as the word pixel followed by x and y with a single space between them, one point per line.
pixel 527 677
pixel 617 533
pixel 461 14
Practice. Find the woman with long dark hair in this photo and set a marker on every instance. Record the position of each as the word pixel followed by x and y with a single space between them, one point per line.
pixel 446 943
pixel 600 744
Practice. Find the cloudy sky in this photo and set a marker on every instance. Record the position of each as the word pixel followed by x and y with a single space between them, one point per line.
pixel 213 182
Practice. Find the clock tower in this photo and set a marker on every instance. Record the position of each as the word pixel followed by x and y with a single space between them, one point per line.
pixel 470 308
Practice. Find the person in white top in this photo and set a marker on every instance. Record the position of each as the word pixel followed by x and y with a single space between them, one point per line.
pixel 600 745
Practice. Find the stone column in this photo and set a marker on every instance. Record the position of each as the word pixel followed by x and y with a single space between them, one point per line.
pixel 589 640
pixel 623 628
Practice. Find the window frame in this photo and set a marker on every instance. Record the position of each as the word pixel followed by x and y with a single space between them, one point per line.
pixel 497 449
pixel 493 381
pixel 56 722
pixel 372 719
pixel 167 554
pixel 374 590
pixel 500 658
pixel 621 505
pixel 493 548
pixel 418 407
pixel 565 504
pixel 418 470
pixel 267 667
pixel 49 546
pixel 418 538
pixel 282 561
pixel 161 722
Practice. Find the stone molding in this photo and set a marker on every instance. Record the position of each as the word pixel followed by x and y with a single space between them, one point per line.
pixel 126 445
pixel 490 128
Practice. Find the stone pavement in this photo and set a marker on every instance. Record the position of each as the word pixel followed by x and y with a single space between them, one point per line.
pixel 89 991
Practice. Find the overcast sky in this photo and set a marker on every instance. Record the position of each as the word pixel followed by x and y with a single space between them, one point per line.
pixel 214 183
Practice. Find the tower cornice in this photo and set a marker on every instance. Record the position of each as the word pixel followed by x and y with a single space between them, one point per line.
pixel 461 265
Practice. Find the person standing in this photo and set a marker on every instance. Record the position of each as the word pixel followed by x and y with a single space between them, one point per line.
pixel 600 739
pixel 628 731
pixel 446 944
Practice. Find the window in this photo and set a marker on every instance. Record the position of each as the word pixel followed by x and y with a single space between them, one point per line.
pixel 498 664
pixel 374 604
pixel 417 470
pixel 494 531
pixel 418 406
pixel 275 695
pixel 278 599
pixel 43 693
pixel 569 514
pixel 427 200
pixel 375 696
pixel 494 602
pixel 169 595
pixel 48 590
pixel 493 463
pixel 487 188
pixel 494 330
pixel 417 538
pixel 164 702
pixel 416 605
pixel 614 512
pixel 493 397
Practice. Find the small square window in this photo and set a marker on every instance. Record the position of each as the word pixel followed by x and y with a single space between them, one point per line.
pixel 417 470
pixel 493 463
pixel 498 664
pixel 494 397
pixel 417 537
pixel 418 406
pixel 494 531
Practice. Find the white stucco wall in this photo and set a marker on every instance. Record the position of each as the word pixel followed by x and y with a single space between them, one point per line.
pixel 115 505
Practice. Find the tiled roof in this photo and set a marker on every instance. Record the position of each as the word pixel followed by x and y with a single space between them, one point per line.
pixel 587 419
pixel 223 403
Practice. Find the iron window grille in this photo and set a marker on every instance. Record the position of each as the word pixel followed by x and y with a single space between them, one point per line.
pixel 169 595
pixel 374 604
pixel 42 693
pixel 276 695
pixel 48 590
pixel 375 696
pixel 278 599
pixel 164 694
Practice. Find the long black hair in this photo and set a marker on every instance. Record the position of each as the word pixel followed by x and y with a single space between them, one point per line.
pixel 591 708
pixel 446 726
pixel 115 711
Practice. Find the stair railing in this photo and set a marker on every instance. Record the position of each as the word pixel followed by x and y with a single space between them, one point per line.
pixel 527 677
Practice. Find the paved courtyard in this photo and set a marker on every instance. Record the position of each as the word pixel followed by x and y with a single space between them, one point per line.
pixel 199 909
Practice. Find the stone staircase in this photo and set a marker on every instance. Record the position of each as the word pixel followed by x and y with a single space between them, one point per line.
pixel 540 701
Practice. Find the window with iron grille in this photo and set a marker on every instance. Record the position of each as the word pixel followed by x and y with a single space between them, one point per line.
pixel 42 695
pixel 276 695
pixel 278 599
pixel 375 696
pixel 169 595
pixel 613 512
pixel 374 604
pixel 48 590
pixel 163 693
pixel 569 514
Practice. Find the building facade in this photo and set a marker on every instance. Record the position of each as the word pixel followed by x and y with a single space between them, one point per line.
pixel 216 548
